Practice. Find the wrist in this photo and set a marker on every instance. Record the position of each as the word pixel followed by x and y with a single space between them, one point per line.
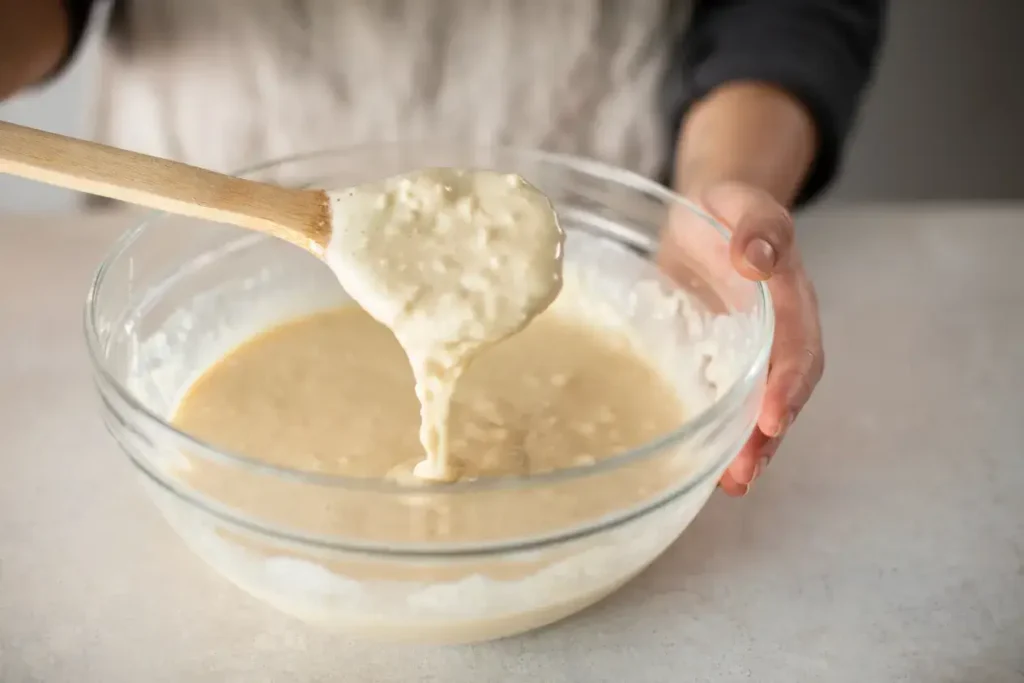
pixel 749 133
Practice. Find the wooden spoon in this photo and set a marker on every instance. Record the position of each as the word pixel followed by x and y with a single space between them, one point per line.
pixel 301 217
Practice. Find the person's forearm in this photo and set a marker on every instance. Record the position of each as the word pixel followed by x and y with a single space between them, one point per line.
pixel 33 38
pixel 746 132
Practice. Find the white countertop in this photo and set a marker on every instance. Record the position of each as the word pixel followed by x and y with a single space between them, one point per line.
pixel 886 542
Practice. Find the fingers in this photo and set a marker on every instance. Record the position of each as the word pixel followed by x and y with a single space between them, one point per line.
pixel 731 487
pixel 797 366
pixel 744 468
pixel 750 464
pixel 762 247
pixel 798 359
pixel 762 240
pixel 788 391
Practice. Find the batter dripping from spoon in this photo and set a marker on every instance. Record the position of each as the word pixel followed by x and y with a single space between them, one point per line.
pixel 451 261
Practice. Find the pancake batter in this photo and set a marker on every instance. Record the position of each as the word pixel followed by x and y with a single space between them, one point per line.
pixel 451 261
pixel 333 393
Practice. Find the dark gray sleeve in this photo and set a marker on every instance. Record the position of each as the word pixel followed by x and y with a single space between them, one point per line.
pixel 823 52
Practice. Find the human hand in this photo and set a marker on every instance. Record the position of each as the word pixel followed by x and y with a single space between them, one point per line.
pixel 763 248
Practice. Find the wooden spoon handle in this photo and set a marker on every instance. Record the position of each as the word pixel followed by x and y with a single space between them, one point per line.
pixel 299 216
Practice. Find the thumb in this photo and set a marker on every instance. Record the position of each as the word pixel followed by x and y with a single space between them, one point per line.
pixel 762 229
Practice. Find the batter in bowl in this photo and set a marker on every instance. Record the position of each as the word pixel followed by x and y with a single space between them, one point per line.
pixel 333 393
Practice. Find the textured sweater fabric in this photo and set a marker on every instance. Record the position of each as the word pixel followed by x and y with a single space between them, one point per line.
pixel 230 83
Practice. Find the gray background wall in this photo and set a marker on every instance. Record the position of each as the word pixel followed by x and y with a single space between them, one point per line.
pixel 945 119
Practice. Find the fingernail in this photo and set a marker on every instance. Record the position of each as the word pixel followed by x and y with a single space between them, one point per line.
pixel 784 424
pixel 762 465
pixel 760 256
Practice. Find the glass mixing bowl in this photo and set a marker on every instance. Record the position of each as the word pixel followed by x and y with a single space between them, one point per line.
pixel 176 294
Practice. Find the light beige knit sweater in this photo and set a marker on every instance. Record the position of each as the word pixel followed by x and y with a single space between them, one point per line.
pixel 226 83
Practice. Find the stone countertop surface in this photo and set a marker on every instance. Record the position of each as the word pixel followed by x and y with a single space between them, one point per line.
pixel 885 543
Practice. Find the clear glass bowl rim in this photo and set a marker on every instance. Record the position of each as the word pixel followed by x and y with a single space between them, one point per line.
pixel 751 367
